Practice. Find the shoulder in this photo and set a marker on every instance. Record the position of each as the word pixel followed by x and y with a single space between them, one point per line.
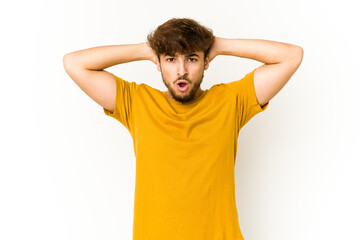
pixel 245 84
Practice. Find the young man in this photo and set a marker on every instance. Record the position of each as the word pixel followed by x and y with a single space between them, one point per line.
pixel 185 139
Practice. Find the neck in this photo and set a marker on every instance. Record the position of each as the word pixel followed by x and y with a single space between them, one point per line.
pixel 198 93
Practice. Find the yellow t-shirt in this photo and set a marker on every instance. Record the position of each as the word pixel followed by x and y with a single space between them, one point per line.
pixel 185 158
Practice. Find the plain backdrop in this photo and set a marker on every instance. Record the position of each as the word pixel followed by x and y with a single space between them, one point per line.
pixel 67 170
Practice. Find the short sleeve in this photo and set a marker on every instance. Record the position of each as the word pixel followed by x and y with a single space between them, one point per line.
pixel 125 93
pixel 246 102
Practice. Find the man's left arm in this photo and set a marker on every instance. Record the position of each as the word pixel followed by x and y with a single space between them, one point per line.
pixel 281 62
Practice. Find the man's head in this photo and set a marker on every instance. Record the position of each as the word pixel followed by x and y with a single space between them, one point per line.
pixel 182 46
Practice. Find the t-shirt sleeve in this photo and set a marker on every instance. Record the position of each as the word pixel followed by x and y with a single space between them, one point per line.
pixel 247 105
pixel 125 93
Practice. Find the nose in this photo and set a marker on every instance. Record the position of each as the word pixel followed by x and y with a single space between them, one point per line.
pixel 182 68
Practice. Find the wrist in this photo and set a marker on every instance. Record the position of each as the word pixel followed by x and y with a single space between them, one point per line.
pixel 215 48
pixel 148 52
pixel 219 46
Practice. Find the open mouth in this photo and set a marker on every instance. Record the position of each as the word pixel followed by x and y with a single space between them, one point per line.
pixel 182 85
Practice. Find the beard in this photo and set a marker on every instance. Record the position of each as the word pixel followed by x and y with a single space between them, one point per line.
pixel 186 97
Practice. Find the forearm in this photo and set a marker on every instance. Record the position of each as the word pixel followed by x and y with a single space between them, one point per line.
pixel 265 51
pixel 98 58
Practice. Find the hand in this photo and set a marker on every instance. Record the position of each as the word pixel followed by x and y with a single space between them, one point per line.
pixel 213 49
pixel 151 54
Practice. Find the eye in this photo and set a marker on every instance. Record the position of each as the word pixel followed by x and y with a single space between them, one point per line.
pixel 169 59
pixel 193 59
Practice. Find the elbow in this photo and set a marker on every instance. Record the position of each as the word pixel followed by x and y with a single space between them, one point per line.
pixel 300 51
pixel 69 61
pixel 66 60
pixel 300 54
pixel 297 54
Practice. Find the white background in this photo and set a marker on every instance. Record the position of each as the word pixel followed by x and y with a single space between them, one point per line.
pixel 67 170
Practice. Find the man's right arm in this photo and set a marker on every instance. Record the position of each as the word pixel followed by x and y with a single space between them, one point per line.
pixel 86 68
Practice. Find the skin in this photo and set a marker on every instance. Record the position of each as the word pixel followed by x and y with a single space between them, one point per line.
pixel 281 60
pixel 189 67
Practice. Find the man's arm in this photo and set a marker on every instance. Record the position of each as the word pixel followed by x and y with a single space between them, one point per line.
pixel 281 61
pixel 86 66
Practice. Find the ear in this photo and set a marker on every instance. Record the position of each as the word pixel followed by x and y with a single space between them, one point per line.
pixel 206 63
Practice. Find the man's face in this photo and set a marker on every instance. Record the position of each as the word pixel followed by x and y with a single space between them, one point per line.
pixel 187 68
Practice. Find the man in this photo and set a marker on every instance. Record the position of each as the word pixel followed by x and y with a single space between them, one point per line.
pixel 185 139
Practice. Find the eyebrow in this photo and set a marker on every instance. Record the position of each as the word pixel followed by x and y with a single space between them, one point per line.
pixel 189 55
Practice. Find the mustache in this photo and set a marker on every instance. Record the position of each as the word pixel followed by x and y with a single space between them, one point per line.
pixel 183 78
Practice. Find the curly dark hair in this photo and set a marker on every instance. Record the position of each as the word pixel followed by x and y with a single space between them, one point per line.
pixel 181 35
